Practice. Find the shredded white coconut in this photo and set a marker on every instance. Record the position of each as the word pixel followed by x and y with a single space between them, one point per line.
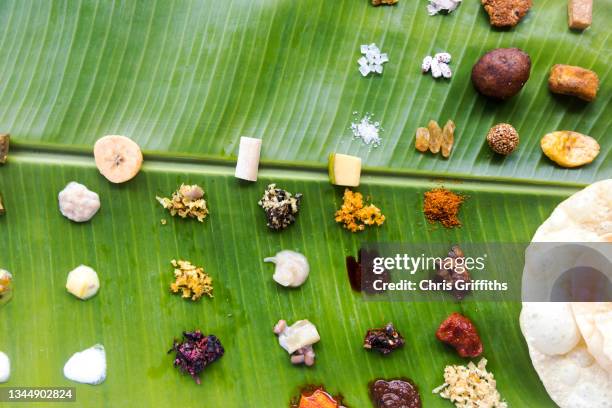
pixel 372 59
pixel 446 6
pixel 367 130
pixel 470 387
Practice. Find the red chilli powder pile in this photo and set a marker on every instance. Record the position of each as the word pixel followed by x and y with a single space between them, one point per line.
pixel 442 205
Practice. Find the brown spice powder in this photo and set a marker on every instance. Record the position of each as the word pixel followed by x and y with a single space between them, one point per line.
pixel 443 206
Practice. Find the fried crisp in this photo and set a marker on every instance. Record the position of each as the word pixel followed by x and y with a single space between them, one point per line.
pixel 187 201
pixel 574 81
pixel 355 216
pixel 384 2
pixel 569 149
pixel 506 13
pixel 191 280
pixel 4 147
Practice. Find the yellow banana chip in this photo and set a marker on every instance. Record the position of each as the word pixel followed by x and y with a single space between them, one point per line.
pixel 569 149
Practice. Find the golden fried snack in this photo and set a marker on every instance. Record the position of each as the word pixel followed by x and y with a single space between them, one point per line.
pixel 506 13
pixel 575 81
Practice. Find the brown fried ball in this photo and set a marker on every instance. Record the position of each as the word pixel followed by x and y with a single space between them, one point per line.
pixel 501 73
pixel 506 13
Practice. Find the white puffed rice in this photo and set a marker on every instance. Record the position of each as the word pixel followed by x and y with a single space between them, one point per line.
pixel 438 65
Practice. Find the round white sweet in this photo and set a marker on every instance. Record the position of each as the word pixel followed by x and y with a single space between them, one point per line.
pixel 87 366
pixel 83 282
pixel 5 367
pixel 78 203
pixel 291 270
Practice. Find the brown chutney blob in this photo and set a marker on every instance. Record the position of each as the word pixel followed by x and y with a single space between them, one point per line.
pixel 395 393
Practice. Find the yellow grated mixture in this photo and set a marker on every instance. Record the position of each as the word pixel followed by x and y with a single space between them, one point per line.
pixel 355 216
pixel 191 280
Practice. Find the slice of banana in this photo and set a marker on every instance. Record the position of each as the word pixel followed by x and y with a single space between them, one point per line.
pixel 118 158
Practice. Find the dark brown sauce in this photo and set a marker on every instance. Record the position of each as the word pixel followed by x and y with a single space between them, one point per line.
pixel 360 272
pixel 395 393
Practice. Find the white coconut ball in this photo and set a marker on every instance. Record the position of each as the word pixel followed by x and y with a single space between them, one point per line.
pixel 87 366
pixel 78 203
pixel 83 282
pixel 5 367
pixel 291 270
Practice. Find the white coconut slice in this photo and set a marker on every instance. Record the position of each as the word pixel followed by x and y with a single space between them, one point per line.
pixel 247 165
pixel 300 334
pixel 578 377
pixel 5 368
pixel 87 366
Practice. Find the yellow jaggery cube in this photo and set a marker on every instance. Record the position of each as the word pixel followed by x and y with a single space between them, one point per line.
pixel 190 280
pixel 422 139
pixel 579 14
pixel 344 170
pixel 569 149
pixel 355 215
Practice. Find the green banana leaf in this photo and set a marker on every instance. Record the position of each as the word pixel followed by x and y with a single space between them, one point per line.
pixel 185 79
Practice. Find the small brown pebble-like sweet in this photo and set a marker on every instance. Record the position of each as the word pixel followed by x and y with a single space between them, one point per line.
pixel 574 81
pixel 506 13
pixel 501 73
pixel 503 139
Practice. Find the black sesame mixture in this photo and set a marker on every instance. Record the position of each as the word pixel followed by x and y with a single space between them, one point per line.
pixel 281 207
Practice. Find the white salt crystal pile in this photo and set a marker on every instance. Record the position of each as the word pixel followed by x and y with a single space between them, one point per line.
pixel 372 60
pixel 367 130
